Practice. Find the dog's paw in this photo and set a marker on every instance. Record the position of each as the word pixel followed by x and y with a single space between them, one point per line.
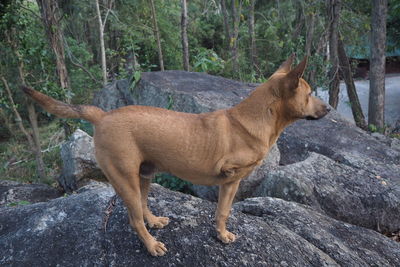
pixel 157 222
pixel 227 237
pixel 157 248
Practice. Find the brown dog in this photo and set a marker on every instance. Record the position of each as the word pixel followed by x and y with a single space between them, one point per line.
pixel 217 148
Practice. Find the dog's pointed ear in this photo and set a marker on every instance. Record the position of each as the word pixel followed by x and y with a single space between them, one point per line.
pixel 286 66
pixel 295 74
pixel 298 71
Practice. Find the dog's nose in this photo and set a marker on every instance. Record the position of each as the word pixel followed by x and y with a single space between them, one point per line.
pixel 328 109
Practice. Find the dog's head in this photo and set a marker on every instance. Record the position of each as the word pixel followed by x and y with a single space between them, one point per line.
pixel 295 93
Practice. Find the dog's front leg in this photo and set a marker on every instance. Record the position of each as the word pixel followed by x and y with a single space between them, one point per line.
pixel 226 194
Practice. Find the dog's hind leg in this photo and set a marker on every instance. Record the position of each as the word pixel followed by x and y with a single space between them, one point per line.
pixel 124 177
pixel 152 220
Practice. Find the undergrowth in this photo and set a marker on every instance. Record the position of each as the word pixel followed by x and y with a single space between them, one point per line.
pixel 17 162
pixel 173 183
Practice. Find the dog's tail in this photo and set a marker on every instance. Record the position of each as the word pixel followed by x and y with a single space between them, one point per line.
pixel 64 110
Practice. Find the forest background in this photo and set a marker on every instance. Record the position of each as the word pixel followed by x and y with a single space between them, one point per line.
pixel 69 49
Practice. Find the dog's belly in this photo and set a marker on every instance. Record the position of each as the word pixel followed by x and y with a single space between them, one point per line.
pixel 206 175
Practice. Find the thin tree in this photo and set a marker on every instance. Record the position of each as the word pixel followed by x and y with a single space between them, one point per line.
pixel 17 115
pixel 252 34
pixel 34 140
pixel 236 12
pixel 185 42
pixel 310 21
pixel 376 105
pixel 333 7
pixel 232 29
pixel 225 18
pixel 345 69
pixel 51 18
pixel 102 25
pixel 157 35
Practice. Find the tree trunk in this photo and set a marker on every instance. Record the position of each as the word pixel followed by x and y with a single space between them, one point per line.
pixel 102 46
pixel 253 47
pixel 225 17
pixel 310 33
pixel 321 46
pixel 36 139
pixel 333 16
pixel 236 12
pixel 132 64
pixel 18 118
pixel 376 105
pixel 185 43
pixel 157 35
pixel 35 142
pixel 351 88
pixel 51 20
pixel 299 20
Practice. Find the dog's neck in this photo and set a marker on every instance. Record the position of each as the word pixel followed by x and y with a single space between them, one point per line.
pixel 261 115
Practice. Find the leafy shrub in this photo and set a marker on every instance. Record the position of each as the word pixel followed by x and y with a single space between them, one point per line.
pixel 208 61
pixel 172 182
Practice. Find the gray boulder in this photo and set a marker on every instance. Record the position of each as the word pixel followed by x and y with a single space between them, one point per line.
pixel 178 90
pixel 340 140
pixel 56 233
pixel 79 162
pixel 346 244
pixel 114 95
pixel 15 193
pixel 349 194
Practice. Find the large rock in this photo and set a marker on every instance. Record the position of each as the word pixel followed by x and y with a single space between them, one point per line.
pixel 340 140
pixel 56 233
pixel 346 244
pixel 178 90
pixel 114 95
pixel 15 193
pixel 349 194
pixel 79 162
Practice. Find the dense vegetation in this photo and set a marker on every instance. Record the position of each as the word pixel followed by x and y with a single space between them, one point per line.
pixel 56 46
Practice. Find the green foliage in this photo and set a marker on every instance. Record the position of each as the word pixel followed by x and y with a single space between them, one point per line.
pixel 206 60
pixel 172 182
pixel 18 163
pixel 19 203
pixel 170 104
pixel 372 128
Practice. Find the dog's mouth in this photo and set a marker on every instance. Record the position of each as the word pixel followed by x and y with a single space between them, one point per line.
pixel 311 118
pixel 318 115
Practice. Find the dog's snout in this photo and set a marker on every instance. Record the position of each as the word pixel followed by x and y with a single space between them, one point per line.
pixel 328 109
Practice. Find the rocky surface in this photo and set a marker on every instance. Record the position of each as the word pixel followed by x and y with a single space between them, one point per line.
pixel 340 140
pixel 15 193
pixel 178 90
pixel 57 233
pixel 346 244
pixel 114 95
pixel 79 162
pixel 349 194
